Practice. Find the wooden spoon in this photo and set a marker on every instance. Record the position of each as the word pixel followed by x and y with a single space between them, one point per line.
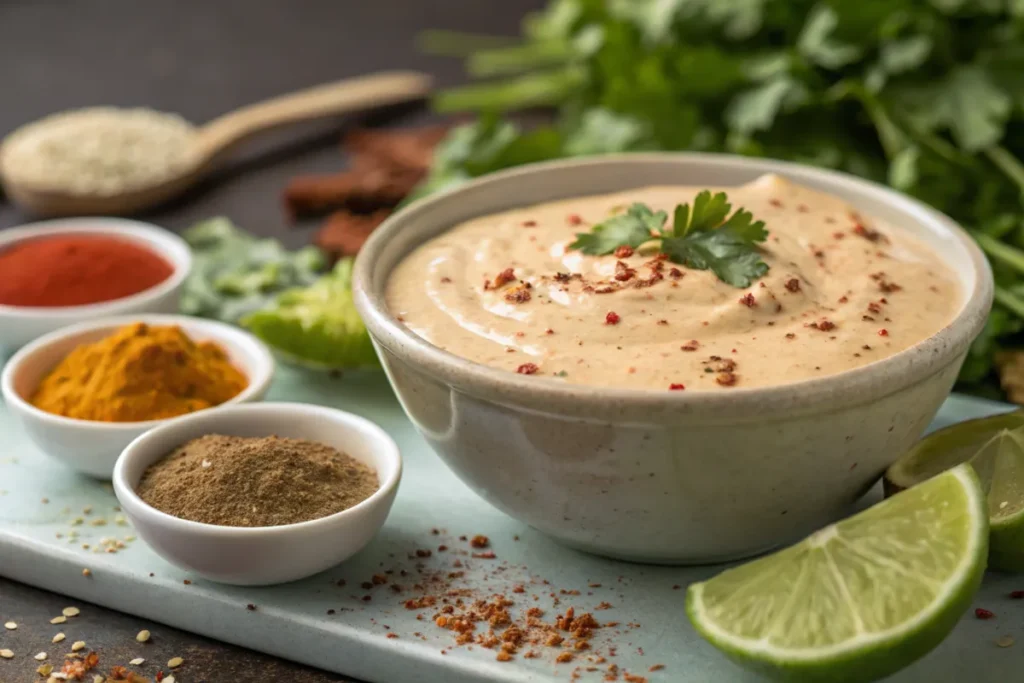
pixel 213 140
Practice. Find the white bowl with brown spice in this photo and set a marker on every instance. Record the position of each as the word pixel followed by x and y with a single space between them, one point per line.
pixel 286 466
pixel 676 386
pixel 90 445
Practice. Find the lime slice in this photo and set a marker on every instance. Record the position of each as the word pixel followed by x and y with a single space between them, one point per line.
pixel 994 446
pixel 857 600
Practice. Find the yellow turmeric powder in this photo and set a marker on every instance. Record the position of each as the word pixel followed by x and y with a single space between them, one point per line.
pixel 139 373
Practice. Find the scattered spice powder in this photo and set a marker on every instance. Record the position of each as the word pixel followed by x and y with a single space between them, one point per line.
pixel 269 481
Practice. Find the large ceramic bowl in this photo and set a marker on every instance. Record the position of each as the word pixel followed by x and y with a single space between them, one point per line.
pixel 657 476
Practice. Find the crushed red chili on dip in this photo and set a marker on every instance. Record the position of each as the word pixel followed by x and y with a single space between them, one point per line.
pixel 609 307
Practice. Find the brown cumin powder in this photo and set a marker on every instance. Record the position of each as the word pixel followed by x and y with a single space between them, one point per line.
pixel 248 482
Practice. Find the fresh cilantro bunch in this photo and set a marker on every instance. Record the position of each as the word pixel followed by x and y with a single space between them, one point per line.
pixel 925 95
pixel 704 237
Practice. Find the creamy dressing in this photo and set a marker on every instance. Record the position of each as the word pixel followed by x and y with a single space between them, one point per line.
pixel 842 291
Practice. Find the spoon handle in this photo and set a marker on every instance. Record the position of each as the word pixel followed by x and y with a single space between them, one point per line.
pixel 332 99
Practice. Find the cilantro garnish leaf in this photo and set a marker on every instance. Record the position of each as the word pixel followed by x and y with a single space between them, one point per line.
pixel 631 229
pixel 703 236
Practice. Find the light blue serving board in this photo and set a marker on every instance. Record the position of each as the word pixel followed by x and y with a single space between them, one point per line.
pixel 292 621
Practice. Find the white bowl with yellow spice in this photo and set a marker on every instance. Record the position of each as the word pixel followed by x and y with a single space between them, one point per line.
pixel 668 384
pixel 85 392
pixel 259 494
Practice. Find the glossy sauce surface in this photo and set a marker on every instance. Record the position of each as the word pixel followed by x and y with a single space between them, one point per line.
pixel 842 290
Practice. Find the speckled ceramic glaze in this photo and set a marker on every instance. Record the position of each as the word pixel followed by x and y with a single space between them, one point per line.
pixel 657 476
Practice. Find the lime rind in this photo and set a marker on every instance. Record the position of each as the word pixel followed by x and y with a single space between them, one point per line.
pixel 945 449
pixel 865 656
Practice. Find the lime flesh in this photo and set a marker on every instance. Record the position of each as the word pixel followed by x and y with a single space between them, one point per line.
pixel 857 600
pixel 994 446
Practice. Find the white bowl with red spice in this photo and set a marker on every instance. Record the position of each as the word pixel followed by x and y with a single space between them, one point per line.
pixel 92 447
pixel 136 268
pixel 701 474
pixel 262 555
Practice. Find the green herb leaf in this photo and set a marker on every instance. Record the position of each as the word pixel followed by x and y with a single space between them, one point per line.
pixel 630 229
pixel 702 237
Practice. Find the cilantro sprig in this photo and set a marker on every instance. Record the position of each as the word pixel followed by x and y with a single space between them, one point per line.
pixel 703 237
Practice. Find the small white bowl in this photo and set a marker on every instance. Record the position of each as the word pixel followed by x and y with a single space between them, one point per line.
pixel 21 324
pixel 90 446
pixel 259 556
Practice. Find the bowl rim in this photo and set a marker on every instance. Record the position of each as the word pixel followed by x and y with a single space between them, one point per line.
pixel 163 243
pixel 260 372
pixel 133 504
pixel 830 392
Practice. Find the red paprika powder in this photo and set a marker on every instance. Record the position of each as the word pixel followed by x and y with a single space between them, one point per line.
pixel 75 270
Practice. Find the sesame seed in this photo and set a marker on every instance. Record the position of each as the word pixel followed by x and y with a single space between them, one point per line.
pixel 58 620
pixel 137 661
pixel 168 679
pixel 78 645
pixel 6 654
pixel 45 669
pixel 57 638
pixel 175 662
pixel 40 657
pixel 71 611
pixel 10 626
pixel 143 636
pixel 1005 641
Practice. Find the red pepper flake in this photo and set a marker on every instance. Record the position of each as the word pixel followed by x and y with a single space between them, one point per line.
pixel 1017 595
pixel 676 387
pixel 691 345
pixel 623 272
pixel 529 224
pixel 527 369
pixel 870 235
pixel 776 203
pixel 392 635
pixel 790 335
pixel 574 219
pixel 843 299
pixel 793 284
pixel 624 251
pixel 983 613
pixel 675 273
pixel 446 279
pixel 480 541
pixel 824 325
pixel 612 318
pixel 839 235
pixel 486 555
pixel 748 300
pixel 663 322
pixel 549 331
pixel 159 676
pixel 423 553
pixel 726 379
pixel 562 277
pixel 503 278
pixel 519 294
pixel 883 332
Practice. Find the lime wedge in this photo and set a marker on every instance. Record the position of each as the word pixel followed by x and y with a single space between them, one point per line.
pixel 994 446
pixel 857 600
